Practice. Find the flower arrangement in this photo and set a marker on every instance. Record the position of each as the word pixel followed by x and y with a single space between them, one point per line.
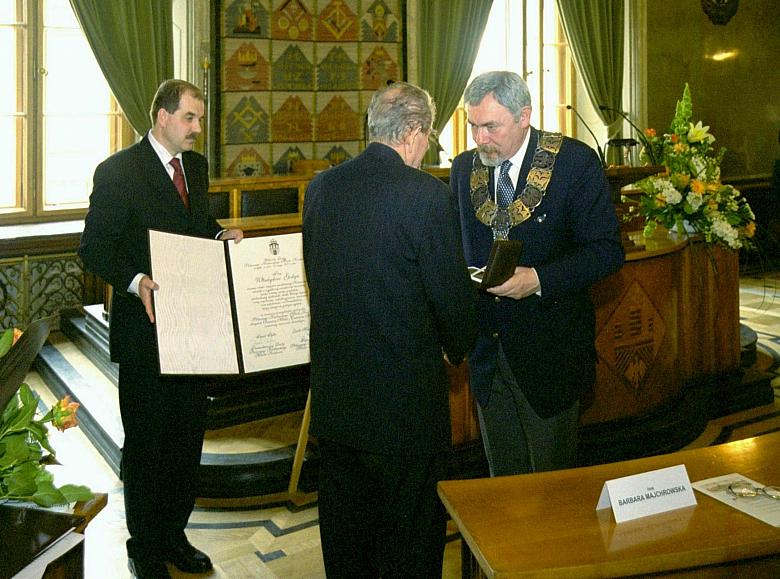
pixel 688 195
pixel 23 437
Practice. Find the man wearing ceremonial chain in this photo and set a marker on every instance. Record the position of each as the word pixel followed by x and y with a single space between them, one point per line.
pixel 535 352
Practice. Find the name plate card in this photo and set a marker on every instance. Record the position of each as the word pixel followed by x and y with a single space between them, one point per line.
pixel 648 493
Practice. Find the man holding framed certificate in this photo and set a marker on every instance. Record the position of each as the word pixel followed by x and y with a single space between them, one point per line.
pixel 157 183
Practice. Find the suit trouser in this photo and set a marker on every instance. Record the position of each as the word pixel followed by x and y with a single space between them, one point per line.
pixel 380 514
pixel 516 439
pixel 164 422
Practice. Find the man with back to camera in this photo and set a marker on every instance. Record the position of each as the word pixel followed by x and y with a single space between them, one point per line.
pixel 390 295
pixel 157 183
pixel 535 351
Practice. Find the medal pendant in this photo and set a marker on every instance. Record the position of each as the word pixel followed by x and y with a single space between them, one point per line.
pixel 486 212
pixel 517 212
pixel 501 220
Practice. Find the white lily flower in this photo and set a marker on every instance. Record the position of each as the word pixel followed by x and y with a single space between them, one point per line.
pixel 697 133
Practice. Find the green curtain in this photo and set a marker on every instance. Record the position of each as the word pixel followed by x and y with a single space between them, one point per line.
pixel 133 43
pixel 448 36
pixel 594 29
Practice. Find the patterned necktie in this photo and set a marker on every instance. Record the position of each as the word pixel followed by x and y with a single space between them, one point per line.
pixel 506 191
pixel 178 180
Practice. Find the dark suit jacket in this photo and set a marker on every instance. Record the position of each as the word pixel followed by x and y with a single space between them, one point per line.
pixel 573 240
pixel 131 194
pixel 389 290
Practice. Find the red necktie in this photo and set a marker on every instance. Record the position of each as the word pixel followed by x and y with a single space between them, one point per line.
pixel 178 180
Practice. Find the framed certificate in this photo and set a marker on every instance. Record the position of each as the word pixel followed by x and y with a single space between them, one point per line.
pixel 228 308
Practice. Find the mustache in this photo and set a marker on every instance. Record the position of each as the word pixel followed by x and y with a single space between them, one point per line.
pixel 489 155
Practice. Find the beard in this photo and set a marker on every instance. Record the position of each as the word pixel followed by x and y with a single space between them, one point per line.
pixel 490 155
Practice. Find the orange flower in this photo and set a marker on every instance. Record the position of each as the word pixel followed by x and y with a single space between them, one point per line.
pixel 697 186
pixel 750 229
pixel 650 132
pixel 675 138
pixel 65 414
pixel 17 334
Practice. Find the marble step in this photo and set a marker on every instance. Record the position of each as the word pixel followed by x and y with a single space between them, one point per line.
pixel 66 370
pixel 245 460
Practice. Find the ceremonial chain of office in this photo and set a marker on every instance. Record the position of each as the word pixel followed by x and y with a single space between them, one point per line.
pixel 500 218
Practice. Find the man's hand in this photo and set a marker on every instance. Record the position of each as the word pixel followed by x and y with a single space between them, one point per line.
pixel 145 288
pixel 236 234
pixel 522 284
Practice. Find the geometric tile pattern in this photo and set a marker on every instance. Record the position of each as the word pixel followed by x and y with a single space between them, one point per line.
pixel 335 154
pixel 337 22
pixel 246 122
pixel 337 121
pixel 324 58
pixel 379 23
pixel 248 162
pixel 338 70
pixel 246 68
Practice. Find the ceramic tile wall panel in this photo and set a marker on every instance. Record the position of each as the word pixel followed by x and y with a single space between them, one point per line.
pixel 296 77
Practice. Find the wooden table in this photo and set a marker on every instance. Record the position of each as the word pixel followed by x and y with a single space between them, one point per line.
pixel 546 525
pixel 46 543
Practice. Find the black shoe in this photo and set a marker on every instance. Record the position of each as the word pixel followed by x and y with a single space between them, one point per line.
pixel 147 568
pixel 187 558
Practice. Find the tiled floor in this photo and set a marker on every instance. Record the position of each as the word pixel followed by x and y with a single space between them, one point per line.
pixel 272 537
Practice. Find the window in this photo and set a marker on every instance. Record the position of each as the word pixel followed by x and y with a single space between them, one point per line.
pixel 525 37
pixel 58 119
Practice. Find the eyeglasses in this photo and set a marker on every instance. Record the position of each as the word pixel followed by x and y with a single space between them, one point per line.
pixel 744 489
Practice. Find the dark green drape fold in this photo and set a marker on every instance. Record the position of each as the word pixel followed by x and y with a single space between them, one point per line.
pixel 133 43
pixel 594 29
pixel 448 36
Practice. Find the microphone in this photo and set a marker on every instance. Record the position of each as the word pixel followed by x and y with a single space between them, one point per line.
pixel 639 133
pixel 592 134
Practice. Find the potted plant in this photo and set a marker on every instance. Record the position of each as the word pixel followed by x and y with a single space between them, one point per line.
pixel 24 446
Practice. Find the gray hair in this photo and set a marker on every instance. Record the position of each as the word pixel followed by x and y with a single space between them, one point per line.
pixel 398 109
pixel 508 88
